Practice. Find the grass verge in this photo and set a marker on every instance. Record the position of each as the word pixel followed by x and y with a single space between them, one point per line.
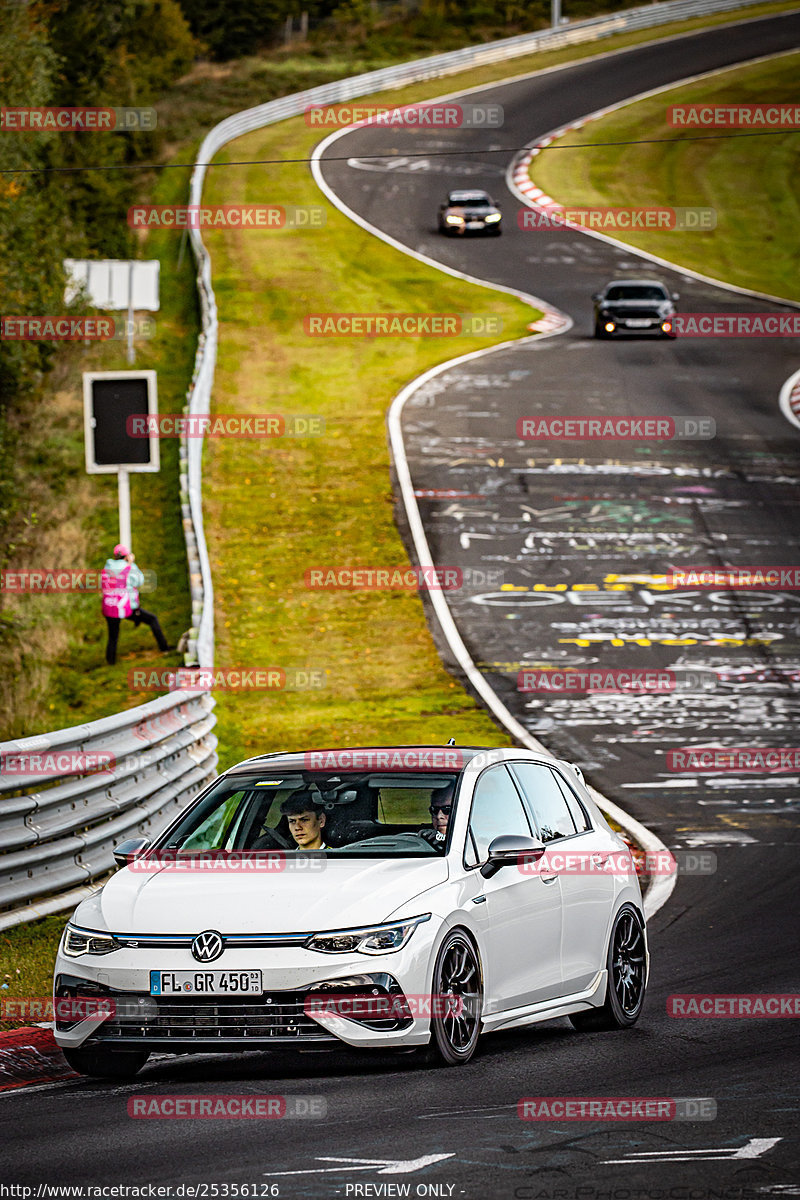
pixel 277 508
pixel 753 183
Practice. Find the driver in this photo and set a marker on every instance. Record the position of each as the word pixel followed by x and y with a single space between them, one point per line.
pixel 306 821
pixel 440 808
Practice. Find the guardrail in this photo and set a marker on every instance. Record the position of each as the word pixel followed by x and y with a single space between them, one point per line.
pixel 56 840
pixel 62 835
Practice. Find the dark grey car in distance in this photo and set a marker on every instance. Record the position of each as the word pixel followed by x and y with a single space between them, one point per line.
pixel 634 306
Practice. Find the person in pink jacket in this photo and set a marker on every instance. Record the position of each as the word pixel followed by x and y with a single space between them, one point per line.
pixel 119 584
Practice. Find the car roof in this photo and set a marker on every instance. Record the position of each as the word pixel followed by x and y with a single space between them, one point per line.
pixel 299 759
pixel 466 193
pixel 636 282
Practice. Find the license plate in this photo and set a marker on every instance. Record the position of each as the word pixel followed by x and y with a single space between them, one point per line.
pixel 474 224
pixel 637 323
pixel 205 983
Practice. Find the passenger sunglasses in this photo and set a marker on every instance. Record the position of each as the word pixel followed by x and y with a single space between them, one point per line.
pixel 445 808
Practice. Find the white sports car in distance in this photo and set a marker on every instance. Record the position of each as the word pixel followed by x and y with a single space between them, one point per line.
pixel 408 897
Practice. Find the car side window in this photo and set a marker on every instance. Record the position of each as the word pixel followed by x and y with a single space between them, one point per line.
pixel 582 822
pixel 546 799
pixel 496 809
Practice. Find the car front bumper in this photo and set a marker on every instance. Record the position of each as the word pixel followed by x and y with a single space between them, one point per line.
pixel 283 1015
pixel 624 324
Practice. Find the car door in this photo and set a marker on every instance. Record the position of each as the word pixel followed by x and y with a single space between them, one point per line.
pixel 587 891
pixel 522 917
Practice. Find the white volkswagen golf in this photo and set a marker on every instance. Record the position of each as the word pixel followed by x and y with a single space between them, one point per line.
pixel 407 898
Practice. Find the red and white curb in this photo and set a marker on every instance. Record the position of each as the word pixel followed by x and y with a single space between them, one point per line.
pixel 552 321
pixel 520 172
pixel 29 1056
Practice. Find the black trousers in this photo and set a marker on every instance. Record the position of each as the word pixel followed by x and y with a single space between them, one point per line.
pixel 138 616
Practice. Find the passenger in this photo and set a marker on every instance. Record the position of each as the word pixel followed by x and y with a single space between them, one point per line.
pixel 440 808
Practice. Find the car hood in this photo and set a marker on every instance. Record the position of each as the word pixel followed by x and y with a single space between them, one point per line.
pixel 343 894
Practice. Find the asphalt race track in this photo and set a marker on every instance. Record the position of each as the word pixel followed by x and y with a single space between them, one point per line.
pixel 560 516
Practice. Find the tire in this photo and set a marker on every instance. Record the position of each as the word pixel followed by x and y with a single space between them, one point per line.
pixel 457 972
pixel 599 332
pixel 103 1063
pixel 626 977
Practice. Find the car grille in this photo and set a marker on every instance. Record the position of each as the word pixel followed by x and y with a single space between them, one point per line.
pixel 273 1017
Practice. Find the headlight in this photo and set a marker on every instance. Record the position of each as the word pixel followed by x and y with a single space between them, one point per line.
pixel 372 939
pixel 454 219
pixel 492 217
pixel 87 941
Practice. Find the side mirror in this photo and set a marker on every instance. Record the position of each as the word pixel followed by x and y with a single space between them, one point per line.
pixel 130 848
pixel 506 851
pixel 676 295
pixel 597 296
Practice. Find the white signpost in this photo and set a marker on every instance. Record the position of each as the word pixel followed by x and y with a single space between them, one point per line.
pixel 115 284
pixel 111 402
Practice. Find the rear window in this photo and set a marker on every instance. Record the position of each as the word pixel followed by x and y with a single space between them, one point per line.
pixel 546 800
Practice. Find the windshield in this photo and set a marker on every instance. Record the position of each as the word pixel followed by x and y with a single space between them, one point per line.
pixel 349 813
pixel 473 199
pixel 636 291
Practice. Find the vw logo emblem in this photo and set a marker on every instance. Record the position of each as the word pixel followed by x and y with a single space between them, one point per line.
pixel 207 946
